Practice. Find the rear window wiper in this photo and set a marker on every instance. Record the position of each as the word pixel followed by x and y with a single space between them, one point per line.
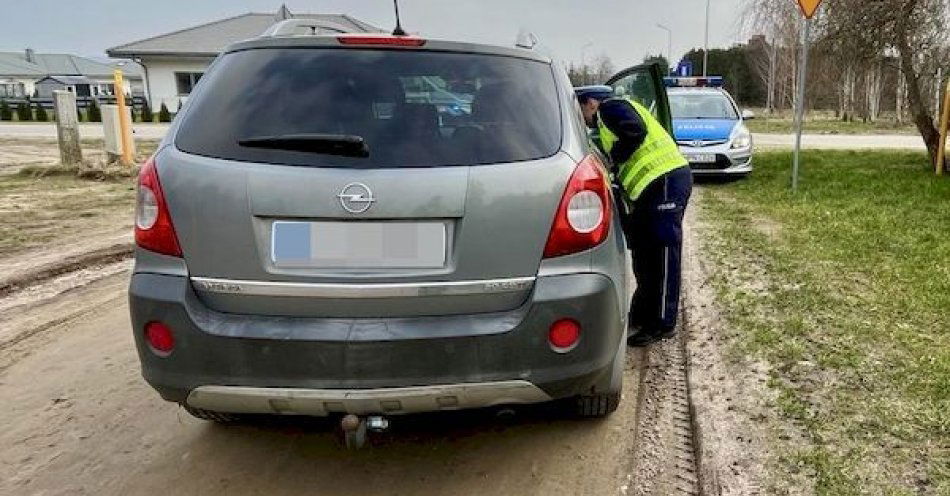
pixel 347 145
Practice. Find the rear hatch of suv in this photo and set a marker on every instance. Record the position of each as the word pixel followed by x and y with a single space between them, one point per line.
pixel 352 180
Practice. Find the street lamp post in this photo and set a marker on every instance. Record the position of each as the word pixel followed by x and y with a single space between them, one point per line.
pixel 669 44
pixel 706 41
pixel 584 60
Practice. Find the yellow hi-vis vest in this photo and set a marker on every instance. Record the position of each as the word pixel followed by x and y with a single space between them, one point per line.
pixel 656 156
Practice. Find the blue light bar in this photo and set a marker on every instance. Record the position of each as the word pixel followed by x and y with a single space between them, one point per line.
pixel 694 82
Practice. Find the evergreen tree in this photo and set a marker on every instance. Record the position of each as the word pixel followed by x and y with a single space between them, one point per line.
pixel 79 116
pixel 163 114
pixel 6 113
pixel 24 112
pixel 147 113
pixel 95 115
pixel 41 114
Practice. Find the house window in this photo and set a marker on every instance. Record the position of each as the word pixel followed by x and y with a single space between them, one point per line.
pixel 186 81
pixel 12 90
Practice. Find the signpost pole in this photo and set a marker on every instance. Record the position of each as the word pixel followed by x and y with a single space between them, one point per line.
pixel 800 101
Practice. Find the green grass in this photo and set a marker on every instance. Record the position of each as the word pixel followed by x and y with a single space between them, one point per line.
pixel 844 289
pixel 820 122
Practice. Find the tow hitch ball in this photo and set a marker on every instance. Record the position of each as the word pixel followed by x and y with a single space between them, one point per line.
pixel 355 428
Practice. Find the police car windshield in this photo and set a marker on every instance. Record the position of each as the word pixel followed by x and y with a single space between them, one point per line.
pixel 356 108
pixel 701 106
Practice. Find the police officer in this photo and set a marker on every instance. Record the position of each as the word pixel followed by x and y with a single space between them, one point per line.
pixel 657 182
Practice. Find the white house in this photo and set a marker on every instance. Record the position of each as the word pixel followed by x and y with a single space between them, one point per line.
pixel 174 62
pixel 21 71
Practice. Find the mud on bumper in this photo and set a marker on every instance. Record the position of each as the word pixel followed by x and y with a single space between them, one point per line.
pixel 263 364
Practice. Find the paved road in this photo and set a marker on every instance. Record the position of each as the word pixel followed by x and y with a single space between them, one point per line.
pixel 87 130
pixel 822 141
pixel 841 141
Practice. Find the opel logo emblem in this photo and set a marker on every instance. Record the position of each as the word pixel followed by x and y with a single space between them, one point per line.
pixel 356 198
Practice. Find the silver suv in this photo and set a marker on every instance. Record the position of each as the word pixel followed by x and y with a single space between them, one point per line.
pixel 379 225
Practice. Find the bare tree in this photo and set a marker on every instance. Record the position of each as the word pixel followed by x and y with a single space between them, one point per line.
pixel 856 37
pixel 595 72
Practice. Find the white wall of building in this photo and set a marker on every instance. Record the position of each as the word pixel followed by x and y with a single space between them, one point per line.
pixel 27 82
pixel 160 73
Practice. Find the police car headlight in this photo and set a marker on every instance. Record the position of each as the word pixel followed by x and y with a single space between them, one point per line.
pixel 741 138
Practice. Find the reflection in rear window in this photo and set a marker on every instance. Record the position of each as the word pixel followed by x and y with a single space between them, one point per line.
pixel 412 108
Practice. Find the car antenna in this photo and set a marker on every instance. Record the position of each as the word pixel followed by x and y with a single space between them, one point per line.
pixel 398 31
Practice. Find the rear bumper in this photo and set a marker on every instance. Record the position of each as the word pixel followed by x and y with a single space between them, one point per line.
pixel 322 402
pixel 262 364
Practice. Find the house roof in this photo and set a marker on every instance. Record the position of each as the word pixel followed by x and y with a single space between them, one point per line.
pixel 67 80
pixel 61 64
pixel 212 38
pixel 15 64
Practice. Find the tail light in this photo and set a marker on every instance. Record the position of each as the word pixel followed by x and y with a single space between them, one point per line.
pixel 153 224
pixel 583 216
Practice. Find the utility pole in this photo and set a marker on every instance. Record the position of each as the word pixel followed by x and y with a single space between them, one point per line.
pixel 706 42
pixel 669 45
pixel 584 62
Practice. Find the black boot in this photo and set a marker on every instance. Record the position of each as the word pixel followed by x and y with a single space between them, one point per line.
pixel 649 336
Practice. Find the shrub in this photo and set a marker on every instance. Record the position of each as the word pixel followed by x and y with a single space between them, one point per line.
pixel 41 114
pixel 164 115
pixel 6 113
pixel 24 112
pixel 93 112
pixel 147 113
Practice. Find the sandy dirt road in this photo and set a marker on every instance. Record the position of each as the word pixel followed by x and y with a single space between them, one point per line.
pixel 78 419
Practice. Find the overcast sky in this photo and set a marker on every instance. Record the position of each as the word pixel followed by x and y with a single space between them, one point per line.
pixel 625 30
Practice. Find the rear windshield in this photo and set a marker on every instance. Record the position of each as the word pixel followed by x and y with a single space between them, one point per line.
pixel 410 108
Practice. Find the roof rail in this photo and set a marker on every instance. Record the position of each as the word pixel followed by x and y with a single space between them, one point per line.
pixel 305 27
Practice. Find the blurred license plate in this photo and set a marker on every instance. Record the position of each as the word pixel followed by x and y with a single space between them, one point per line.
pixel 701 158
pixel 358 245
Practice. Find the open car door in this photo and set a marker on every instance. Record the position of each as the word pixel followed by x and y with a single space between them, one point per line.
pixel 644 83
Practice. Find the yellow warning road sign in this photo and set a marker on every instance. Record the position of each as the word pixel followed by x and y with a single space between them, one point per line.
pixel 809 7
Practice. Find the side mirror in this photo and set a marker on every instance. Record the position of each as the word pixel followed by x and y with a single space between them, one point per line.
pixel 748 115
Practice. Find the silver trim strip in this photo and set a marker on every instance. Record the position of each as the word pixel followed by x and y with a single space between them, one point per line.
pixel 385 290
pixel 322 402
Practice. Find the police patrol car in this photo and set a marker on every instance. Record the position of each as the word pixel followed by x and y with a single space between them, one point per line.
pixel 708 126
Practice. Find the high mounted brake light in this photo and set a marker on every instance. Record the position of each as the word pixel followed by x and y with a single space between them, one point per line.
pixel 359 39
pixel 694 82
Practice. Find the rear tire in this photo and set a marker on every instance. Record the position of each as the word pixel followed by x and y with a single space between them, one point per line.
pixel 603 404
pixel 598 405
pixel 212 416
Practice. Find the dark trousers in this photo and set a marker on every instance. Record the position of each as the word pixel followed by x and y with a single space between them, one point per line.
pixel 654 230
